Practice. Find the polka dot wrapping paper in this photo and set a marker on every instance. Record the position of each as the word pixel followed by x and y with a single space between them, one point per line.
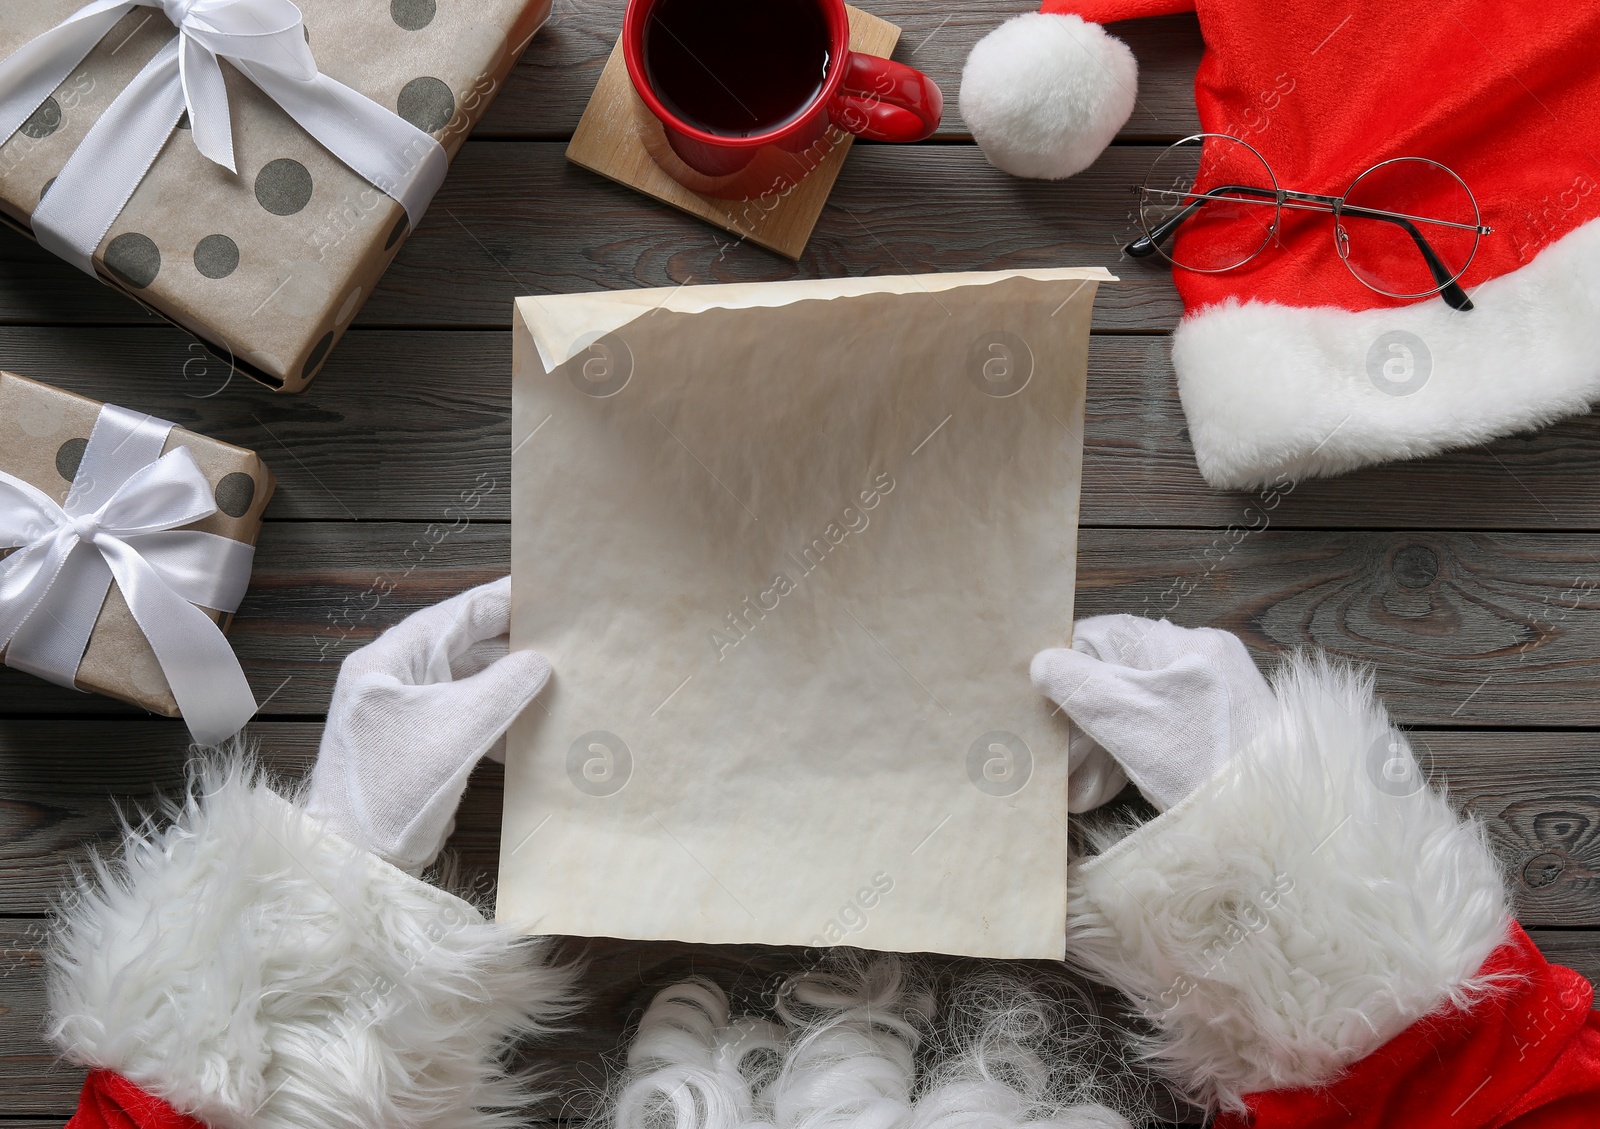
pixel 43 434
pixel 269 266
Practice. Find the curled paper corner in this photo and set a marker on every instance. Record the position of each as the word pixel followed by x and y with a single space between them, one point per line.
pixel 564 325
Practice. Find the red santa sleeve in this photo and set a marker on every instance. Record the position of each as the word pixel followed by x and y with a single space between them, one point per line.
pixel 236 964
pixel 1317 939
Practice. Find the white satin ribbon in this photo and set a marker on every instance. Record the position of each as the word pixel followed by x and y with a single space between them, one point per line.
pixel 120 522
pixel 265 40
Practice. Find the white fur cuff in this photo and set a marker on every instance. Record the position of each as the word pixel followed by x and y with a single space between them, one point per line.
pixel 251 968
pixel 1304 906
pixel 1274 390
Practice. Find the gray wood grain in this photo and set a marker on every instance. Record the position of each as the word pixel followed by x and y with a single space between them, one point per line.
pixel 564 209
pixel 1470 582
pixel 1463 629
pixel 65 787
pixel 33 1079
pixel 619 981
pixel 1578 949
pixel 405 422
pixel 516 218
pixel 621 978
pixel 547 92
pixel 1538 792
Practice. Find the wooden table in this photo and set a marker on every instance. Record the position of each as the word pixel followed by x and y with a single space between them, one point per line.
pixel 1468 581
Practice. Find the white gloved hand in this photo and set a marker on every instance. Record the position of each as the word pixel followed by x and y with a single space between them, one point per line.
pixel 1161 705
pixel 412 714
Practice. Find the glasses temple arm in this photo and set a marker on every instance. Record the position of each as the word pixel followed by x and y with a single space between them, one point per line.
pixel 1454 297
pixel 1146 244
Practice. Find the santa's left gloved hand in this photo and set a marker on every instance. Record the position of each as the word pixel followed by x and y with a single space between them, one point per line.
pixel 1316 939
pixel 1162 705
pixel 412 714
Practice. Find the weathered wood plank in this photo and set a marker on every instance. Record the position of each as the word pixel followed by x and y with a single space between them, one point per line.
pixel 620 979
pixel 548 90
pixel 591 234
pixel 1539 796
pixel 65 786
pixel 33 1079
pixel 1139 468
pixel 544 98
pixel 1464 629
pixel 319 590
pixel 405 422
pixel 517 218
pixel 1535 790
pixel 1578 949
pixel 1538 793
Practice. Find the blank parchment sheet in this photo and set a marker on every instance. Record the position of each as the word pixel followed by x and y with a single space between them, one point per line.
pixel 790 548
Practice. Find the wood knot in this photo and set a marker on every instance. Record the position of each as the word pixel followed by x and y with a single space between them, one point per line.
pixel 1416 566
pixel 1543 869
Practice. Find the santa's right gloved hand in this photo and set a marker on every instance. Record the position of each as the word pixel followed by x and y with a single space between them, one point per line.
pixel 1160 705
pixel 246 961
pixel 412 715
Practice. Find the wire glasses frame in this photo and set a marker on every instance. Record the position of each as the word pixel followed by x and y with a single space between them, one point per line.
pixel 1158 229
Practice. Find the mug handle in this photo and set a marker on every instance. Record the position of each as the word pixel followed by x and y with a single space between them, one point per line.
pixel 882 100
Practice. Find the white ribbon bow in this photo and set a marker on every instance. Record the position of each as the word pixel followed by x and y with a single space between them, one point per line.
pixel 53 586
pixel 265 40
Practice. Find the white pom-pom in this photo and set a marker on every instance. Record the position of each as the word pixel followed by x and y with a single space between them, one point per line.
pixel 1045 94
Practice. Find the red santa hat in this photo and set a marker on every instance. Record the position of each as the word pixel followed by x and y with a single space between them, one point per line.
pixel 1281 362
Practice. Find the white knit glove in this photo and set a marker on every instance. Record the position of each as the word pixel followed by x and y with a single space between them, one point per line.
pixel 413 713
pixel 1161 705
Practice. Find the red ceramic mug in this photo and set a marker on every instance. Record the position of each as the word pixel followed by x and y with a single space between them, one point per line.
pixel 860 94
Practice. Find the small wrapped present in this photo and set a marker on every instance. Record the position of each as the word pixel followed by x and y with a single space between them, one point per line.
pixel 251 176
pixel 131 543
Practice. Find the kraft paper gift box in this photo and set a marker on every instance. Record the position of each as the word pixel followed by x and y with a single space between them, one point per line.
pixel 267 266
pixel 44 432
pixel 791 548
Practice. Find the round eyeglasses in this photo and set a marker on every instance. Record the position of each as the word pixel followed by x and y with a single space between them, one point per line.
pixel 1407 227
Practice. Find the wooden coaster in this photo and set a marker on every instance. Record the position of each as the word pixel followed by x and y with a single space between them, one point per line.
pixel 620 139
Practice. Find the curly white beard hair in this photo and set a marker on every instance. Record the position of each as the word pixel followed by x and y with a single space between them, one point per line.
pixel 858 1044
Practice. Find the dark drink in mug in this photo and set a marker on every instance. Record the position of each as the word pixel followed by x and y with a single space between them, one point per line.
pixel 732 80
pixel 736 67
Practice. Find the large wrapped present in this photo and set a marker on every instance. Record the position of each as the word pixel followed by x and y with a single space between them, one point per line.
pixel 247 175
pixel 125 546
